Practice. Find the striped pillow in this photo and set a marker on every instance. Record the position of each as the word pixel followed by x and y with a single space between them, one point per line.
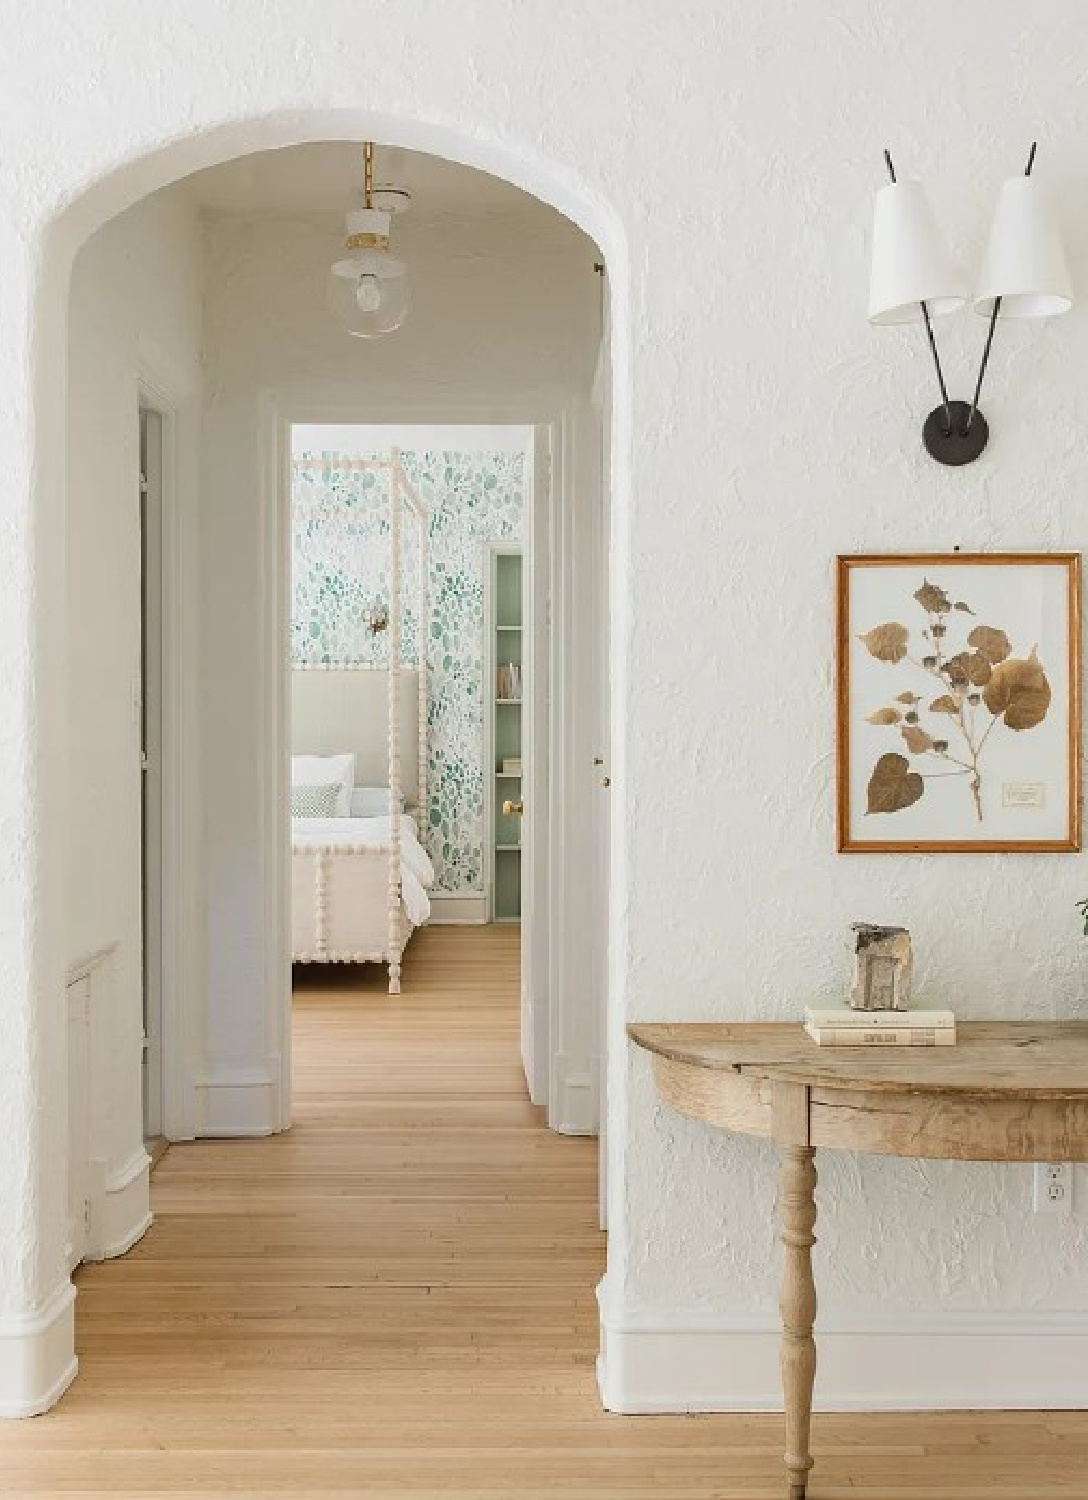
pixel 314 801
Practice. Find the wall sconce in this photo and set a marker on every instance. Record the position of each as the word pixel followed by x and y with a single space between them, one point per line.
pixel 1024 275
pixel 379 619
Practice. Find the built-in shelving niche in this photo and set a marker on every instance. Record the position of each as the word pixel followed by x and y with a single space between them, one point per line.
pixel 507 683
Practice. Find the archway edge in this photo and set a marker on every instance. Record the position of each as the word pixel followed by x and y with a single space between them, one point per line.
pixel 126 181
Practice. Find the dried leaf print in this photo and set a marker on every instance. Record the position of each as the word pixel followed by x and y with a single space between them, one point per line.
pixel 968 667
pixel 893 785
pixel 887 642
pixel 993 644
pixel 1019 692
pixel 933 599
pixel 918 742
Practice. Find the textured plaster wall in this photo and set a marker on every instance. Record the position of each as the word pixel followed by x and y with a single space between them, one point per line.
pixel 726 155
pixel 135 309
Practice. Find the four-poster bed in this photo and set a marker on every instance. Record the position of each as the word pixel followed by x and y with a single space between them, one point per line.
pixel 358 883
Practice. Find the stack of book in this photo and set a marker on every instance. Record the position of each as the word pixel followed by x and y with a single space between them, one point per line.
pixel 842 1026
pixel 508 683
pixel 511 767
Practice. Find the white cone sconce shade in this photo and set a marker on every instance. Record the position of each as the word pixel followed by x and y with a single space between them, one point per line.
pixel 1024 275
pixel 1024 268
pixel 911 263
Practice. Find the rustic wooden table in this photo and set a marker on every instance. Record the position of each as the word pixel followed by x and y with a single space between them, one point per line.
pixel 1005 1092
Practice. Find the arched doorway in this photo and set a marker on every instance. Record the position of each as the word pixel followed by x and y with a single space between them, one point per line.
pixel 114 193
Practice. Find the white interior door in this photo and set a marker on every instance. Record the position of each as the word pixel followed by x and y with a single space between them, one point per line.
pixel 535 1020
pixel 149 699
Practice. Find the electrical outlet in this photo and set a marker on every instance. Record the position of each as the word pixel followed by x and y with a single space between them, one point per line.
pixel 1053 1187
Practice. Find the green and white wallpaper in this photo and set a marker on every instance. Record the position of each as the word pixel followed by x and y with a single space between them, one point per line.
pixel 340 571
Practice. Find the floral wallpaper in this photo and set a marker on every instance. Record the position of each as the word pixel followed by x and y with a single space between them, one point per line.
pixel 340 573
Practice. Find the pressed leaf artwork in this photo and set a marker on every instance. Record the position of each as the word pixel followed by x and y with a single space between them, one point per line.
pixel 952 686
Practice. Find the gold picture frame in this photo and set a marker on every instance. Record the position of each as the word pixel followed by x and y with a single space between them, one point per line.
pixel 958 718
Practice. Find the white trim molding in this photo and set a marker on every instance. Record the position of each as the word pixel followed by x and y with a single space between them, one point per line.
pixel 450 910
pixel 576 1094
pixel 37 1355
pixel 244 1102
pixel 1014 1360
pixel 119 1208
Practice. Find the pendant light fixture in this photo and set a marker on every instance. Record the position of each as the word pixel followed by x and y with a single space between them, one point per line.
pixel 1024 275
pixel 368 287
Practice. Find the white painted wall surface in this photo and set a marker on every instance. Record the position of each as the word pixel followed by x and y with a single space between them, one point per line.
pixel 726 164
pixel 503 324
pixel 135 313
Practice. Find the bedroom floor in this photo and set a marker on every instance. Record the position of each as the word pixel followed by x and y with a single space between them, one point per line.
pixel 396 1300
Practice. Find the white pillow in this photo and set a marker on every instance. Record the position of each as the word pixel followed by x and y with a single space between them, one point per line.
pixel 322 770
pixel 371 802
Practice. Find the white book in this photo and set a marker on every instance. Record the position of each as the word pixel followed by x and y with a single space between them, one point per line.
pixel 846 1016
pixel 882 1036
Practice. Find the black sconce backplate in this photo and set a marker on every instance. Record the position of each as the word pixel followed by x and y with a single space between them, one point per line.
pixel 960 445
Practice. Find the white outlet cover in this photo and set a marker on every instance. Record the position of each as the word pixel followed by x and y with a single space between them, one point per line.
pixel 1053 1187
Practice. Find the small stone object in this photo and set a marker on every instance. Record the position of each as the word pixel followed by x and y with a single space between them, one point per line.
pixel 882 967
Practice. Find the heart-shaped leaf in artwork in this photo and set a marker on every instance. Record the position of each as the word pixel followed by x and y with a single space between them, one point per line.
pixel 1019 691
pixel 893 785
pixel 887 642
pixel 992 643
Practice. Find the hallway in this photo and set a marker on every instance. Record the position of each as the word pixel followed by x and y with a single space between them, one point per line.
pixel 396 1300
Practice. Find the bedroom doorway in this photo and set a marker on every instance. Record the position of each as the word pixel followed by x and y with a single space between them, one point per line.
pixel 477 571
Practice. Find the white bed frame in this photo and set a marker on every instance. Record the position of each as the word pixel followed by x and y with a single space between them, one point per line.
pixel 346 901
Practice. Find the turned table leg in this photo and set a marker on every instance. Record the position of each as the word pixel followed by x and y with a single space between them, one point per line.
pixel 797 1211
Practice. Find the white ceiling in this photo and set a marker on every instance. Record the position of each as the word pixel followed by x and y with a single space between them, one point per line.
pixel 327 177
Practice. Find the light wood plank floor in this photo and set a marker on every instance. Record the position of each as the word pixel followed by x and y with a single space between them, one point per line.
pixel 396 1300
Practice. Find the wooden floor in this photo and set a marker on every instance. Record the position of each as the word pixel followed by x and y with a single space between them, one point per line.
pixel 396 1300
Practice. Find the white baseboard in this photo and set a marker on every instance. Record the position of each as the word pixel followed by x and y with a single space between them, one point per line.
pixel 928 1361
pixel 119 1210
pixel 575 1095
pixel 457 911
pixel 241 1103
pixel 37 1355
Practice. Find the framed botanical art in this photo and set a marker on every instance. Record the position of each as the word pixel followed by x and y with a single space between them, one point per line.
pixel 958 703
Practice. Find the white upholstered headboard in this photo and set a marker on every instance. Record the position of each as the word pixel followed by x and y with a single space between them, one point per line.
pixel 347 709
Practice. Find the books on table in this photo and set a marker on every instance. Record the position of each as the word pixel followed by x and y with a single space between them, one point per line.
pixel 842 1026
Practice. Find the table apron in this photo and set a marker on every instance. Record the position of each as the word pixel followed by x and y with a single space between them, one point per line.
pixel 934 1125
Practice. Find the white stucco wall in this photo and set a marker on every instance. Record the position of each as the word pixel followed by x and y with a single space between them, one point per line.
pixel 725 156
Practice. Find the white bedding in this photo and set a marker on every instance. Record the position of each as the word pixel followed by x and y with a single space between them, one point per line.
pixel 417 872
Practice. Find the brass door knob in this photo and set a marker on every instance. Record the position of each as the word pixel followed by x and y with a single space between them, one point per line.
pixel 512 809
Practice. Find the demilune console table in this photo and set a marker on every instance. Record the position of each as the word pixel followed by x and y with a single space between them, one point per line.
pixel 1004 1092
